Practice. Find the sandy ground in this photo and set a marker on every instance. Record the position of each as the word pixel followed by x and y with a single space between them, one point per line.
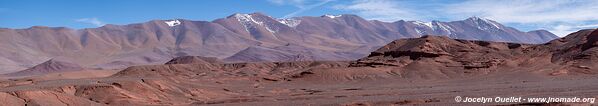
pixel 66 75
pixel 421 71
pixel 376 91
pixel 75 75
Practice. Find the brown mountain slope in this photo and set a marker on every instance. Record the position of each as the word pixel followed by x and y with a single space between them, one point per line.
pixel 50 66
pixel 346 37
pixel 578 52
pixel 429 70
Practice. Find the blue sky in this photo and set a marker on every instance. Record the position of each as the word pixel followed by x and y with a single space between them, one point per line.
pixel 558 16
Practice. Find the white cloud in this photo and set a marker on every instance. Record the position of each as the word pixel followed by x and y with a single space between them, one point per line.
pixel 560 16
pixel 562 29
pixel 384 10
pixel 93 21
pixel 303 5
pixel 589 26
pixel 526 11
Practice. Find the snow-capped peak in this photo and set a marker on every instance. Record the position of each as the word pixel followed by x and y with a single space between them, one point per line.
pixel 484 24
pixel 173 23
pixel 332 16
pixel 243 18
pixel 290 22
pixel 434 26
pixel 428 24
pixel 492 23
pixel 247 20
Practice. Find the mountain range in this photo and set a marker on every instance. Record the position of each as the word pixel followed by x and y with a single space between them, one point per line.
pixel 429 70
pixel 251 37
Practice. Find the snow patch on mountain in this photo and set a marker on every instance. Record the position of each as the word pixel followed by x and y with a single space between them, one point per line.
pixel 290 22
pixel 270 30
pixel 246 20
pixel 332 16
pixel 249 22
pixel 492 23
pixel 441 26
pixel 485 24
pixel 420 23
pixel 418 31
pixel 173 23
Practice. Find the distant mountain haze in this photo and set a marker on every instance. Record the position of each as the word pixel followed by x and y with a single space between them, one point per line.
pixel 237 38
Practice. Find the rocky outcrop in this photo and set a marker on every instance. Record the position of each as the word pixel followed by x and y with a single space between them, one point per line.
pixel 194 60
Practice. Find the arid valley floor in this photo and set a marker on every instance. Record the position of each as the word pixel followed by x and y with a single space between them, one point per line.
pixel 431 70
